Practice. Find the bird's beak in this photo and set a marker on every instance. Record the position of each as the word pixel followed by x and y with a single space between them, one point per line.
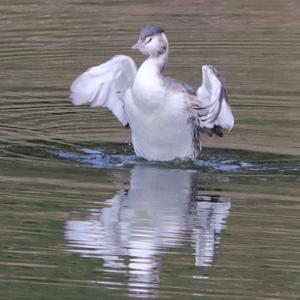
pixel 138 45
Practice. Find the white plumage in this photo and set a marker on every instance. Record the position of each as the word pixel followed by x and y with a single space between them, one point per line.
pixel 105 85
pixel 212 94
pixel 166 116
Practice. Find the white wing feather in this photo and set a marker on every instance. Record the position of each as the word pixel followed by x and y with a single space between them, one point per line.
pixel 105 85
pixel 214 108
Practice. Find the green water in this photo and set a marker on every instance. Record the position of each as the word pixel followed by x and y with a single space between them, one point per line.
pixel 81 217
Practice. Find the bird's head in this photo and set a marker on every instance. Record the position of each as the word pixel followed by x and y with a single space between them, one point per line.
pixel 152 41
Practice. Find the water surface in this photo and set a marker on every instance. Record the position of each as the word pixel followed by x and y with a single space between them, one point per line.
pixel 81 217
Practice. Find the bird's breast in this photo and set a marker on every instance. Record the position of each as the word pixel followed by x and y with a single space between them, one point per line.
pixel 148 91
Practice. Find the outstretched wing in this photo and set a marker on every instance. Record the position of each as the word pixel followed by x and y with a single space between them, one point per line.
pixel 213 108
pixel 105 85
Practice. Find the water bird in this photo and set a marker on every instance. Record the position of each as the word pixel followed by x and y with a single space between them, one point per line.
pixel 167 117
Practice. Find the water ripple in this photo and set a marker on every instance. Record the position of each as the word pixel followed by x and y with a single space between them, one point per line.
pixel 213 160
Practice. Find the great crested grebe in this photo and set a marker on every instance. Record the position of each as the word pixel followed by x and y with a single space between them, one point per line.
pixel 166 116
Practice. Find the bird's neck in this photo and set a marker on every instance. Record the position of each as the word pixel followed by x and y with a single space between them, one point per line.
pixel 159 62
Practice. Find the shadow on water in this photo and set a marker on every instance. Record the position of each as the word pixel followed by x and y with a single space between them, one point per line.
pixel 162 210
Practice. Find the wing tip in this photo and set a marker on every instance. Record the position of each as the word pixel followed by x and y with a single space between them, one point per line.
pixel 73 100
pixel 214 71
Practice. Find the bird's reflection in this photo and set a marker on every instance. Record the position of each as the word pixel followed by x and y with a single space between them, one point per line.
pixel 162 209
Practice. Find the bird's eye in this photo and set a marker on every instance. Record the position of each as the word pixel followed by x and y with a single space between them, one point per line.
pixel 149 40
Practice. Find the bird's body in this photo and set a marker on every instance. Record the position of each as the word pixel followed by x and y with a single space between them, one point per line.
pixel 165 116
pixel 157 116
